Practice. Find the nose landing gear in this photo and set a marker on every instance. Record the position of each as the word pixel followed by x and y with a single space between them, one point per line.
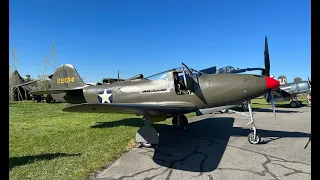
pixel 253 137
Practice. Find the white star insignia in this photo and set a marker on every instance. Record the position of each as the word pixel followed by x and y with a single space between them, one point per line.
pixel 105 96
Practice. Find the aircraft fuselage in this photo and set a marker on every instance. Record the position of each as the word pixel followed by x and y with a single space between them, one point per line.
pixel 207 90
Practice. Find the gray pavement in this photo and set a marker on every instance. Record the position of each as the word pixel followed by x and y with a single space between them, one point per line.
pixel 215 146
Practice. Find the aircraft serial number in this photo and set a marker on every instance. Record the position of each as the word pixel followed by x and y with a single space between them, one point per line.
pixel 65 80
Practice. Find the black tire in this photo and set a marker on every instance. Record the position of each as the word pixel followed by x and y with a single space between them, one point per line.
pixel 146 145
pixel 245 106
pixel 299 103
pixel 252 140
pixel 49 98
pixel 293 104
pixel 179 124
pixel 224 111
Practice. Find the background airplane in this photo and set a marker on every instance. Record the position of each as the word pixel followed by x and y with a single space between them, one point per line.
pixel 160 96
pixel 290 91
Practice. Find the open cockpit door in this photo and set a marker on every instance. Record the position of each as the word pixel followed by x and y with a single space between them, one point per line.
pixel 185 79
pixel 188 77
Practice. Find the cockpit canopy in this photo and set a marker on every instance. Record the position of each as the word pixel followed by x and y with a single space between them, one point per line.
pixel 226 69
pixel 164 75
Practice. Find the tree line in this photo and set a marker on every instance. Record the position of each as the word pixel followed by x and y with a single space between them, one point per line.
pixel 283 79
pixel 43 82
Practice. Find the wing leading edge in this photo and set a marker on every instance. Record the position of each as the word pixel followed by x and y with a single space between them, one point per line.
pixel 55 91
pixel 133 108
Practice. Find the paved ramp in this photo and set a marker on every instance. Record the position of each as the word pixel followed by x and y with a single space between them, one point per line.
pixel 216 147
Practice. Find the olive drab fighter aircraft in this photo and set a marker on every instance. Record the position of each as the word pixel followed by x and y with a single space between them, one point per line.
pixel 161 96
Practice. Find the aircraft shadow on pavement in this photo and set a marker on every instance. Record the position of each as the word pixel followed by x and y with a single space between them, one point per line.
pixel 20 161
pixel 267 110
pixel 201 146
pixel 283 105
pixel 288 105
pixel 134 122
pixel 270 110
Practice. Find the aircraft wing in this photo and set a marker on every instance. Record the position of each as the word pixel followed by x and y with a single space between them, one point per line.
pixel 54 91
pixel 134 108
pixel 286 91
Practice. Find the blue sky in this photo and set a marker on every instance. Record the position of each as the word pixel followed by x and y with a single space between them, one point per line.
pixel 143 36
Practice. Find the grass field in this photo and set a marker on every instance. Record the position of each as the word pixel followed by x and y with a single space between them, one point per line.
pixel 46 143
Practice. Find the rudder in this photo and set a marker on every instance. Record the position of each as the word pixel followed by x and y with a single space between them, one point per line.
pixel 66 77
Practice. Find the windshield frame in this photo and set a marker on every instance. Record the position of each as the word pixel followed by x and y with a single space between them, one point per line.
pixel 195 73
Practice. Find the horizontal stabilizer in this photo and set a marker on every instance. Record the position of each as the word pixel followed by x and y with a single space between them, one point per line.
pixel 27 83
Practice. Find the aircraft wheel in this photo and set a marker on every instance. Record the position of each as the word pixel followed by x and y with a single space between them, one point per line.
pixel 293 104
pixel 146 145
pixel 245 106
pixel 224 111
pixel 179 121
pixel 299 103
pixel 254 140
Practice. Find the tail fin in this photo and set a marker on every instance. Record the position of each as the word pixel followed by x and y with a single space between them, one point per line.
pixel 66 77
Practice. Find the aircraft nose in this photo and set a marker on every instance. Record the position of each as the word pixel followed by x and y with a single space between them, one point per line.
pixel 272 83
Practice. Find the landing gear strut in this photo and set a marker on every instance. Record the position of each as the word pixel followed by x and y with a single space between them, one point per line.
pixel 253 137
pixel 147 136
pixel 179 121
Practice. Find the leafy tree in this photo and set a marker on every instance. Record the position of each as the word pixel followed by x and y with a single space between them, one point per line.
pixel 12 67
pixel 297 79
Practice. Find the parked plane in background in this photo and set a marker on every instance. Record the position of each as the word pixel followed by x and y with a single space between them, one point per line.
pixel 290 91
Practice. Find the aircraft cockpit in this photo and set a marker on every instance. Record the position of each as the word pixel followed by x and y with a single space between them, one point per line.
pixel 180 70
pixel 182 77
pixel 227 69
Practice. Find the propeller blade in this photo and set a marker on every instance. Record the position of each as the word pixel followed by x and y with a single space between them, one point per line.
pixel 266 97
pixel 309 81
pixel 266 58
pixel 118 76
pixel 270 95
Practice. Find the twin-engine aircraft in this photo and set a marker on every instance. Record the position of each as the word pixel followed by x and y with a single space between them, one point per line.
pixel 160 96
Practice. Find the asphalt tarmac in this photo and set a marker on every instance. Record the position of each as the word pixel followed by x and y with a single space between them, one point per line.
pixel 216 146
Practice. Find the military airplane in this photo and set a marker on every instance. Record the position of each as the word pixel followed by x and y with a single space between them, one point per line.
pixel 289 91
pixel 161 96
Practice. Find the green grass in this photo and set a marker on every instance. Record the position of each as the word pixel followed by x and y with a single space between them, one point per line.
pixel 261 103
pixel 47 143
